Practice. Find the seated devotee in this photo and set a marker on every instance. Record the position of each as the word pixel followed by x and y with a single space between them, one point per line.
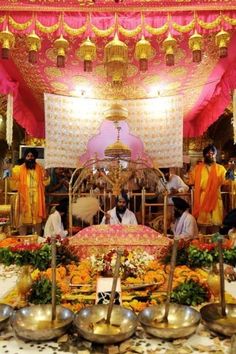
pixel 54 225
pixel 185 226
pixel 120 214
pixel 229 224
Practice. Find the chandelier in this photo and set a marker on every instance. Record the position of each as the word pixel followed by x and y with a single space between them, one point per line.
pixel 116 60
pixel 115 114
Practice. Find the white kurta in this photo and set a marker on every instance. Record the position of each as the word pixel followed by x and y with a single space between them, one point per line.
pixel 175 182
pixel 128 218
pixel 54 225
pixel 186 226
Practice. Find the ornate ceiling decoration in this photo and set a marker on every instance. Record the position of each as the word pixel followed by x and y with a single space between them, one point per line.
pixel 41 24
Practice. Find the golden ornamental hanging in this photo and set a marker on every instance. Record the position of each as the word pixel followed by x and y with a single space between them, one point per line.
pixel 117 149
pixel 116 60
pixel 34 44
pixel 169 45
pixel 7 40
pixel 87 52
pixel 195 44
pixel 222 40
pixel 143 52
pixel 61 46
pixel 116 113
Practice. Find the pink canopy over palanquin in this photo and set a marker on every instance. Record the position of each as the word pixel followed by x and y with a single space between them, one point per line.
pixel 206 86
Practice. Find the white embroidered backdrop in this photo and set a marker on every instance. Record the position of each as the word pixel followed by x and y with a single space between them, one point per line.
pixel 71 122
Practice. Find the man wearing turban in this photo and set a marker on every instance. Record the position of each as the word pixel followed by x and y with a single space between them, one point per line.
pixel 30 180
pixel 120 214
pixel 207 178
pixel 185 226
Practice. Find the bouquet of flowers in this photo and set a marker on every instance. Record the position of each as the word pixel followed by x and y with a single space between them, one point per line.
pixel 133 263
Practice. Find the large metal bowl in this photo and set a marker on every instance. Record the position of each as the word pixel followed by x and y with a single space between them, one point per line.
pixel 5 313
pixel 213 319
pixel 123 319
pixel 34 322
pixel 182 321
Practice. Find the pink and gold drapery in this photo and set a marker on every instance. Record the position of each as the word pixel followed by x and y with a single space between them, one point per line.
pixel 206 87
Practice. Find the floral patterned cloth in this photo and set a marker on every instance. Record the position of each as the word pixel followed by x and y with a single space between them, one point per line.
pixel 102 238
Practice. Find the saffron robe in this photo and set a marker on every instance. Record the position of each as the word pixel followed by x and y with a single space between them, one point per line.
pixel 208 205
pixel 31 189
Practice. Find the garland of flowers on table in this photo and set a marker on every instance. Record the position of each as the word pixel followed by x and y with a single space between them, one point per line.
pixel 37 255
pixel 76 281
pixel 204 254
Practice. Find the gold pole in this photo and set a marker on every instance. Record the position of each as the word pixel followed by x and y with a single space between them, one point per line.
pixel 53 265
pixel 5 191
pixel 143 206
pixel 70 209
pixel 165 215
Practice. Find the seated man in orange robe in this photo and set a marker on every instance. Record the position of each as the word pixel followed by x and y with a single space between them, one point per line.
pixel 30 180
pixel 207 178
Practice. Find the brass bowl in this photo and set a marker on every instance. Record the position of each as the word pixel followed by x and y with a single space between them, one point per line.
pixel 123 324
pixel 213 319
pixel 34 322
pixel 5 313
pixel 182 321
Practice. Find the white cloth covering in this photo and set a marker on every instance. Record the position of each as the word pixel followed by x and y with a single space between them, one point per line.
pixel 54 225
pixel 128 218
pixel 186 226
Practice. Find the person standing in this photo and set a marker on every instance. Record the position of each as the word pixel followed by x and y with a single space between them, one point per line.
pixel 30 180
pixel 207 178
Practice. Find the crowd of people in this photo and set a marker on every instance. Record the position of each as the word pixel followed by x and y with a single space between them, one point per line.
pixel 31 181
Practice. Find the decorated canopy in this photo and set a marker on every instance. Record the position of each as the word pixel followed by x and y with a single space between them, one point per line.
pixel 198 37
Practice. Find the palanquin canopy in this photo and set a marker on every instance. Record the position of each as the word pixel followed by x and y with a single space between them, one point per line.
pixel 206 86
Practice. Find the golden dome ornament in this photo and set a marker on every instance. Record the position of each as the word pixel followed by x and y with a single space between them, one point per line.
pixel 61 46
pixel 169 45
pixel 34 44
pixel 116 60
pixel 222 40
pixel 195 44
pixel 143 52
pixel 117 149
pixel 87 52
pixel 7 40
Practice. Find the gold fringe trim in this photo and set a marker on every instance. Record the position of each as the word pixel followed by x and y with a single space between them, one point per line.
pixel 47 29
pixel 103 33
pixel 158 30
pixel 125 32
pixel 231 21
pixel 20 26
pixel 130 33
pixel 210 25
pixel 184 29
pixel 74 31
